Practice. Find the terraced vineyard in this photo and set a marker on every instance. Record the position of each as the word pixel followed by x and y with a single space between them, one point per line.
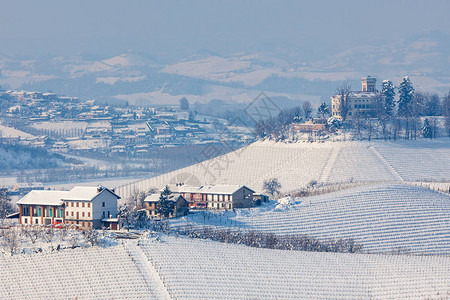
pixel 297 164
pixel 197 269
pixel 93 273
pixel 381 217
pixel 182 268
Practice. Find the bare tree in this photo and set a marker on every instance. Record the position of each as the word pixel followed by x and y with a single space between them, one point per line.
pixel 307 109
pixel 33 233
pixel 48 234
pixel 6 206
pixel 63 231
pixel 12 240
pixel 343 92
pixel 91 236
pixel 74 238
pixel 272 186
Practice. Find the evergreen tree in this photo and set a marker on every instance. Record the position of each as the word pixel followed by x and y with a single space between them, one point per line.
pixel 184 103
pixel 165 206
pixel 433 106
pixel 406 93
pixel 323 110
pixel 387 90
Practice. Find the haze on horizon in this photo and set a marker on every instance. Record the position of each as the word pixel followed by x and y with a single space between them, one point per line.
pixel 173 30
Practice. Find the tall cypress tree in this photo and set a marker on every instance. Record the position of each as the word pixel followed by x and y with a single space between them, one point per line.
pixel 387 90
pixel 406 93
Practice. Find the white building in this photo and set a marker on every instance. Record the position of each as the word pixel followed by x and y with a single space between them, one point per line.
pixel 358 103
pixel 86 207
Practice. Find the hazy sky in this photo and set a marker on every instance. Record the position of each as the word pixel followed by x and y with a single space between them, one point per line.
pixel 180 28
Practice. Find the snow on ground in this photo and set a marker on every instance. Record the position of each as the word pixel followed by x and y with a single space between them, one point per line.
pixel 64 125
pixel 296 164
pixel 381 217
pixel 198 269
pixel 183 268
pixel 10 132
pixel 418 160
pixel 93 273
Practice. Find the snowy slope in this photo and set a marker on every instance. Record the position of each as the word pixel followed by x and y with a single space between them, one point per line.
pixel 297 164
pixel 93 273
pixel 381 217
pixel 182 268
pixel 197 269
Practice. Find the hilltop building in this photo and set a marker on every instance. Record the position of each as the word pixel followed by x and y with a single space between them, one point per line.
pixel 85 207
pixel 358 103
pixel 216 196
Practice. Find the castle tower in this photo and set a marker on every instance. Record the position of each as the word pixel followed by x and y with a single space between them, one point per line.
pixel 368 84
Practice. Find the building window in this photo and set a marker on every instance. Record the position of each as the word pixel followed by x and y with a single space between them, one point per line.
pixel 82 224
pixel 82 204
pixel 89 205
pixel 103 214
pixel 67 213
pixel 89 214
pixel 40 212
pixel 25 221
pixel 51 212
pixel 103 204
pixel 108 214
pixel 78 204
pixel 82 213
pixel 36 221
pixel 72 204
pixel 72 214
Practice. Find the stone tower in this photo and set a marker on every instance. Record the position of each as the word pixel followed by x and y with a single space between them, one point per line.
pixel 368 84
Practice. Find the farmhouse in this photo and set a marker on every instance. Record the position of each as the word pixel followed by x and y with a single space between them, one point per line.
pixel 86 207
pixel 181 206
pixel 216 196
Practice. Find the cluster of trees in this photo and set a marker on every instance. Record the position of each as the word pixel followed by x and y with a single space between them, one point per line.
pixel 271 241
pixel 134 215
pixel 411 105
pixel 278 126
pixel 13 237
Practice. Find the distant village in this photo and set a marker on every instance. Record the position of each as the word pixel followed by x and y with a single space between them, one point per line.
pixel 68 124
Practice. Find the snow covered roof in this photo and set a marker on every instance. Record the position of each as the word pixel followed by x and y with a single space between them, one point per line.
pixel 183 188
pixel 86 193
pixel 221 189
pixel 359 94
pixel 80 193
pixel 155 197
pixel 39 197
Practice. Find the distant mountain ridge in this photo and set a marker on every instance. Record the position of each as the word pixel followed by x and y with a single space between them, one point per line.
pixel 282 73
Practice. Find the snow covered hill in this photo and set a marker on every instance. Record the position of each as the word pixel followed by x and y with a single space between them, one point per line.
pixel 197 269
pixel 182 268
pixel 382 217
pixel 93 273
pixel 297 164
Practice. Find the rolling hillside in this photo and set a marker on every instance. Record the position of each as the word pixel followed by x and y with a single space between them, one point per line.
pixel 181 268
pixel 382 217
pixel 297 164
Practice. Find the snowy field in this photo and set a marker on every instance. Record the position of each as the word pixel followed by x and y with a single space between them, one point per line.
pixel 183 268
pixel 296 164
pixel 197 269
pixel 382 217
pixel 92 273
